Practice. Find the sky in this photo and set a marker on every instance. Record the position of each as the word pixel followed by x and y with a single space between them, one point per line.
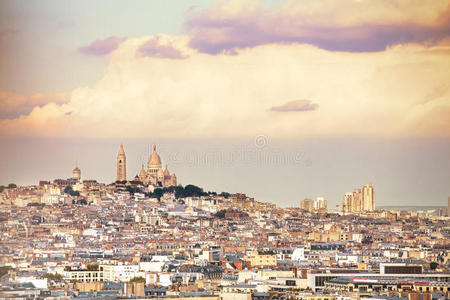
pixel 281 100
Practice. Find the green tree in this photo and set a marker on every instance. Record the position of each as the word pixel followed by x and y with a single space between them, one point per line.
pixel 192 191
pixel 220 214
pixel 12 186
pixel 157 193
pixel 133 190
pixel 92 267
pixel 433 265
pixel 68 190
pixel 53 276
pixel 137 279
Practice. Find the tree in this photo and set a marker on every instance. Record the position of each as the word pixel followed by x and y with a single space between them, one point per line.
pixel 433 265
pixel 158 193
pixel 68 190
pixel 224 194
pixel 133 190
pixel 189 190
pixel 51 276
pixel 36 204
pixel 12 186
pixel 2 188
pixel 67 268
pixel 137 279
pixel 92 267
pixel 192 190
pixel 179 191
pixel 220 214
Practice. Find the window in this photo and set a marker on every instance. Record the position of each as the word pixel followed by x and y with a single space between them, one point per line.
pixel 290 282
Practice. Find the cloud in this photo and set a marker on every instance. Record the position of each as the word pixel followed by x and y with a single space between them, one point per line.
pixel 351 26
pixel 296 105
pixel 155 47
pixel 102 47
pixel 14 105
pixel 400 92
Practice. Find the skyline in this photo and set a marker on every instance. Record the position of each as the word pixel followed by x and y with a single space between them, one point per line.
pixel 308 169
pixel 347 92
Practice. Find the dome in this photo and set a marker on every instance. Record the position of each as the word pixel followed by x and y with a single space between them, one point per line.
pixel 142 173
pixel 166 172
pixel 154 161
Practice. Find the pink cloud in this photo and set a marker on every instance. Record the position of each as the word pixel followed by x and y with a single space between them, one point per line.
pixel 14 105
pixel 154 48
pixel 102 47
pixel 227 26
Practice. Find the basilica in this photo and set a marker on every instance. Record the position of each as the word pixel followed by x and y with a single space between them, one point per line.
pixel 154 175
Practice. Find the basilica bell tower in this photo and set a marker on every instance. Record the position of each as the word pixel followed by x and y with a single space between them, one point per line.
pixel 121 165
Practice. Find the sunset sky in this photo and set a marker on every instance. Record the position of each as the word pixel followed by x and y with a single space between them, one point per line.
pixel 281 100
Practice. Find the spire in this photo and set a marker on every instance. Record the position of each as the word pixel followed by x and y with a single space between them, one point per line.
pixel 166 172
pixel 142 172
pixel 76 165
pixel 121 164
pixel 121 151
pixel 154 148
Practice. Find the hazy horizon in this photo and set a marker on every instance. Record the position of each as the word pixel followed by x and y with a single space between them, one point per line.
pixel 403 172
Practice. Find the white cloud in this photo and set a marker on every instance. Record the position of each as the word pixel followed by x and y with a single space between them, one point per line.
pixel 402 91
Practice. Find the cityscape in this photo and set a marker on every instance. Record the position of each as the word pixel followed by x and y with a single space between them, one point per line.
pixel 147 237
pixel 225 150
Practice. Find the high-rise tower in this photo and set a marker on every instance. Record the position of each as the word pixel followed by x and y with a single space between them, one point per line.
pixel 347 203
pixel 368 197
pixel 121 165
pixel 356 201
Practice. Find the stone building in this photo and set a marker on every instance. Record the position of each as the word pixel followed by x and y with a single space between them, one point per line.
pixel 154 174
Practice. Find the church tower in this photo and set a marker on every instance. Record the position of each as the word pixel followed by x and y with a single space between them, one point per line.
pixel 121 165
pixel 76 173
